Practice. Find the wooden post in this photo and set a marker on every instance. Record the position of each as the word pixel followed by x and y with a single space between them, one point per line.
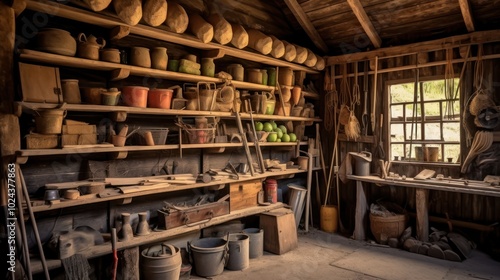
pixel 7 37
pixel 361 216
pixel 422 198
pixel 129 259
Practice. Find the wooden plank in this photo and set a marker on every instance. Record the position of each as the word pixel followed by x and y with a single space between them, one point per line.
pixel 422 199
pixel 159 33
pixel 157 236
pixel 7 37
pixel 306 24
pixel 467 15
pixel 454 41
pixel 366 23
pixel 361 216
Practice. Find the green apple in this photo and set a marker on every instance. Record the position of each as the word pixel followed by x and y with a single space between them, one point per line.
pixel 275 125
pixel 280 133
pixel 259 126
pixel 285 138
pixel 283 128
pixel 293 137
pixel 278 140
pixel 272 137
pixel 268 127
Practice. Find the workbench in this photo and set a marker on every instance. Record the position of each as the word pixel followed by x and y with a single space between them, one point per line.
pixel 422 188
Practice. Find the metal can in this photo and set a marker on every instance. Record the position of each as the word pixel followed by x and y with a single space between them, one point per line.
pixel 271 190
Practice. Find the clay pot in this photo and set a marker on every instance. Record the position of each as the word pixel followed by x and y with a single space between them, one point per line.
pixel 296 93
pixel 159 58
pixel 110 97
pixel 88 47
pixel 286 93
pixel 56 41
pixel 71 91
pixel 254 76
pixel 207 67
pixel 135 96
pixel 160 98
pixel 110 55
pixel 139 56
pixel 92 95
pixel 285 76
pixel 237 71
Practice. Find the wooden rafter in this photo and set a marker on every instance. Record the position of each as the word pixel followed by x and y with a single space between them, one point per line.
pixel 366 23
pixel 306 24
pixel 467 15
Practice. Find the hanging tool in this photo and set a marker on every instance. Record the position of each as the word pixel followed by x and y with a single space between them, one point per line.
pixel 364 117
pixel 115 253
pixel 245 143
pixel 380 149
pixel 258 151
pixel 374 97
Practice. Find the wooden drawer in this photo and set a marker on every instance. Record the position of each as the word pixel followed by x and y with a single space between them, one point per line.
pixel 244 194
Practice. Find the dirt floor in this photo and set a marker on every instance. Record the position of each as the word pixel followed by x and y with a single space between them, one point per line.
pixel 329 256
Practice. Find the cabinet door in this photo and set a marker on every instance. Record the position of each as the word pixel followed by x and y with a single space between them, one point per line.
pixel 40 83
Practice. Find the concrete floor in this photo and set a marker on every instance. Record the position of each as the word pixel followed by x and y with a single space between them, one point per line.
pixel 326 256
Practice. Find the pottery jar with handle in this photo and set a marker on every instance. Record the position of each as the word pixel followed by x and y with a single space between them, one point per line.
pixel 159 58
pixel 56 41
pixel 88 47
pixel 139 56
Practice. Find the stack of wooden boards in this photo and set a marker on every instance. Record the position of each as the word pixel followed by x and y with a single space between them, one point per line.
pixel 78 133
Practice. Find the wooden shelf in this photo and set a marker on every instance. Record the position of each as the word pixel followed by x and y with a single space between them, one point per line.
pixel 76 62
pixel 30 107
pixel 157 33
pixel 156 236
pixel 171 188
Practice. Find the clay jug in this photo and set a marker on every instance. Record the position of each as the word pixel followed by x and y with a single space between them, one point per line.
pixel 296 93
pixel 159 58
pixel 140 57
pixel 88 47
pixel 286 93
pixel 127 232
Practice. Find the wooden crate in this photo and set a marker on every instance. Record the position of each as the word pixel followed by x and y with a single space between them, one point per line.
pixel 79 129
pixel 280 231
pixel 42 141
pixel 244 194
pixel 78 139
pixel 192 215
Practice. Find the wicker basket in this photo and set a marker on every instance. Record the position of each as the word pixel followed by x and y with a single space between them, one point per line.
pixel 200 135
pixel 384 228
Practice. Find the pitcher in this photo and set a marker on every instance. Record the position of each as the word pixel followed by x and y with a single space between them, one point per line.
pixel 88 47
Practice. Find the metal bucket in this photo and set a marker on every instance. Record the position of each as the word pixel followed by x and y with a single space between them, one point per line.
pixel 209 256
pixel 239 254
pixel 296 200
pixel 362 163
pixel 157 263
pixel 256 240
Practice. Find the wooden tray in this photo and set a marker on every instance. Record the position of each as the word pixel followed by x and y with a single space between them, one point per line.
pixel 192 216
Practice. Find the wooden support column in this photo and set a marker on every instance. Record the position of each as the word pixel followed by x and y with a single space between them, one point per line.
pixel 361 215
pixel 365 22
pixel 7 37
pixel 467 15
pixel 422 206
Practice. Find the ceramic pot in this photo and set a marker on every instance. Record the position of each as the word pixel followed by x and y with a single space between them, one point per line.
pixel 143 226
pixel 71 91
pixel 285 76
pixel 286 93
pixel 135 96
pixel 271 76
pixel 159 58
pixel 254 76
pixel 88 47
pixel 110 97
pixel 264 76
pixel 127 232
pixel 110 55
pixel 92 95
pixel 207 67
pixel 160 98
pixel 139 56
pixel 296 93
pixel 237 71
pixel 56 41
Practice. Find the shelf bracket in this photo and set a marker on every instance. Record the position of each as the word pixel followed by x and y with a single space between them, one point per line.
pixel 119 155
pixel 119 74
pixel 217 53
pixel 119 116
pixel 124 201
pixel 21 159
pixel 119 32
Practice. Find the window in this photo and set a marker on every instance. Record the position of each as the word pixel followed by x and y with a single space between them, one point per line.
pixel 425 124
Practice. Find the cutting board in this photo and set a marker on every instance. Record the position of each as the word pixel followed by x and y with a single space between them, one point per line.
pixel 40 83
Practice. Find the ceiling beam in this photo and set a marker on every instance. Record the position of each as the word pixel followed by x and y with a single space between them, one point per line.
pixel 366 23
pixel 434 45
pixel 306 24
pixel 467 15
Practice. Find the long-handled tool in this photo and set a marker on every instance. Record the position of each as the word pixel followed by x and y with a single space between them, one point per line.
pixel 374 97
pixel 380 149
pixel 260 158
pixel 364 117
pixel 245 143
pixel 115 253
pixel 23 236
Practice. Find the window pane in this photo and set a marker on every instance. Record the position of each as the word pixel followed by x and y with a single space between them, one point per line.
pixel 432 131
pixel 452 151
pixel 433 90
pixel 401 93
pixel 417 135
pixel 432 109
pixel 416 152
pixel 397 150
pixel 453 113
pixel 451 132
pixel 409 112
pixel 397 132
pixel 397 112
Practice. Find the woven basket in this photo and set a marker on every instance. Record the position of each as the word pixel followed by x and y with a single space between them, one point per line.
pixel 384 228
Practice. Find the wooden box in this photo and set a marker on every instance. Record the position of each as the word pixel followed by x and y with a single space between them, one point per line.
pixel 78 139
pixel 40 83
pixel 192 215
pixel 42 141
pixel 79 129
pixel 244 194
pixel 280 231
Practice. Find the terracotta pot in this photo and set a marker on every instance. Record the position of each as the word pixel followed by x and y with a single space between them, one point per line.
pixel 135 96
pixel 286 93
pixel 285 76
pixel 254 76
pixel 56 41
pixel 89 47
pixel 160 98
pixel 110 55
pixel 237 71
pixel 71 91
pixel 92 95
pixel 159 58
pixel 296 93
pixel 139 56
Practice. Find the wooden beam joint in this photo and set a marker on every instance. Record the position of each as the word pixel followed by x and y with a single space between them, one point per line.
pixel 365 22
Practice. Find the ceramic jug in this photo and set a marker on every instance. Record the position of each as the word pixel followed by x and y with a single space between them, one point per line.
pixel 159 58
pixel 88 47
